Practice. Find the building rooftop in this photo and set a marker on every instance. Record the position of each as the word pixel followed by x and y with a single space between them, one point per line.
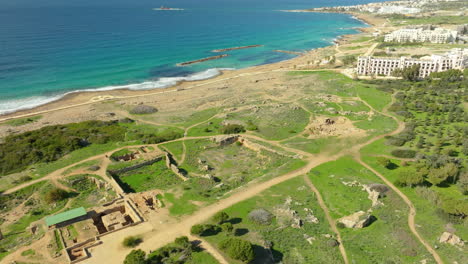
pixel 65 216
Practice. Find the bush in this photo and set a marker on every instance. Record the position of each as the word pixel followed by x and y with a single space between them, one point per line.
pixel 183 242
pixel 143 110
pixel 232 129
pixel 404 153
pixel 197 230
pixel 227 227
pixel 94 168
pixel 205 230
pixel 260 216
pixel 220 217
pixel 131 241
pixel 55 195
pixel 251 126
pixel 408 176
pixel 238 249
pixel 50 143
pixel 135 257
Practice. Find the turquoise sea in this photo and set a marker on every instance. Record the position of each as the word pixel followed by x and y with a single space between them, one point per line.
pixel 56 47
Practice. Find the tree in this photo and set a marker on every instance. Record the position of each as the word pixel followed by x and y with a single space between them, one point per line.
pixel 232 129
pixel 205 230
pixel 135 257
pixel 384 162
pixel 408 176
pixel 197 229
pixel 238 249
pixel 183 242
pixel 437 176
pixel 408 73
pixel 462 183
pixel 55 195
pixel 220 217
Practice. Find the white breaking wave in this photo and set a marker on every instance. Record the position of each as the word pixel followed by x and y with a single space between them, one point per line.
pixel 9 106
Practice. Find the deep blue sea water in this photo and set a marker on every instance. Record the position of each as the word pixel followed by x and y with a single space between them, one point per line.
pixel 53 48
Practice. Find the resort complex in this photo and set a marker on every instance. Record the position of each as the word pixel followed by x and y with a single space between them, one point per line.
pixel 354 152
pixel 437 35
pixel 455 59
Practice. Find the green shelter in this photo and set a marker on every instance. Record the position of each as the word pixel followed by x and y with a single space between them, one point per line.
pixel 65 216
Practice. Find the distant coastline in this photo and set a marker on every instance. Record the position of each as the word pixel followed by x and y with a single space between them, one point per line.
pixel 160 84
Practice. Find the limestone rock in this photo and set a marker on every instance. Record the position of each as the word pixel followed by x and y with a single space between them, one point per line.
pixel 359 219
pixel 451 239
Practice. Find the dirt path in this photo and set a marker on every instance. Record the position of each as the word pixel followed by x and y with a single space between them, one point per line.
pixel 412 211
pixel 330 220
pixel 163 234
pixel 166 233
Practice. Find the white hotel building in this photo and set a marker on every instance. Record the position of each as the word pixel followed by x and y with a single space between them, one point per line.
pixel 438 35
pixel 454 59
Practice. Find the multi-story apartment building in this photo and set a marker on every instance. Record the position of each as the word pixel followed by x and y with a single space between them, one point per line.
pixel 438 35
pixel 454 59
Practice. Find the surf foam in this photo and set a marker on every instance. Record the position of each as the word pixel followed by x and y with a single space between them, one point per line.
pixel 10 106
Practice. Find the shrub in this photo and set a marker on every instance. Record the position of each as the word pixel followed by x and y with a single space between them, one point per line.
pixel 197 230
pixel 408 176
pixel 55 195
pixel 50 143
pixel 143 110
pixel 220 217
pixel 227 227
pixel 333 242
pixel 135 257
pixel 404 153
pixel 94 168
pixel 183 242
pixel 251 126
pixel 131 241
pixel 238 249
pixel 260 216
pixel 232 129
pixel 205 230
pixel 396 141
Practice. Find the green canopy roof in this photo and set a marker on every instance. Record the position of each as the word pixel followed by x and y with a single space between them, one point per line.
pixel 65 216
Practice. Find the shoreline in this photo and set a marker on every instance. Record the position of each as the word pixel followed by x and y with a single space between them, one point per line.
pixel 92 96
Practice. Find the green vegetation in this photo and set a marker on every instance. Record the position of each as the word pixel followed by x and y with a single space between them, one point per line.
pixel 131 241
pixel 339 184
pixel 435 134
pixel 23 121
pixel 56 195
pixel 137 256
pixel 154 176
pixel 58 241
pixel 232 129
pixel 264 222
pixel 53 142
pixel 175 148
pixel 433 20
pixel 238 249
pixel 408 73
pixel 88 165
pixel 87 192
pixel 181 251
pixel 28 252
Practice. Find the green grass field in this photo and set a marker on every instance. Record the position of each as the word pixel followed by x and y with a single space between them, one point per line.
pixel 289 244
pixel 389 231
pixel 155 176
